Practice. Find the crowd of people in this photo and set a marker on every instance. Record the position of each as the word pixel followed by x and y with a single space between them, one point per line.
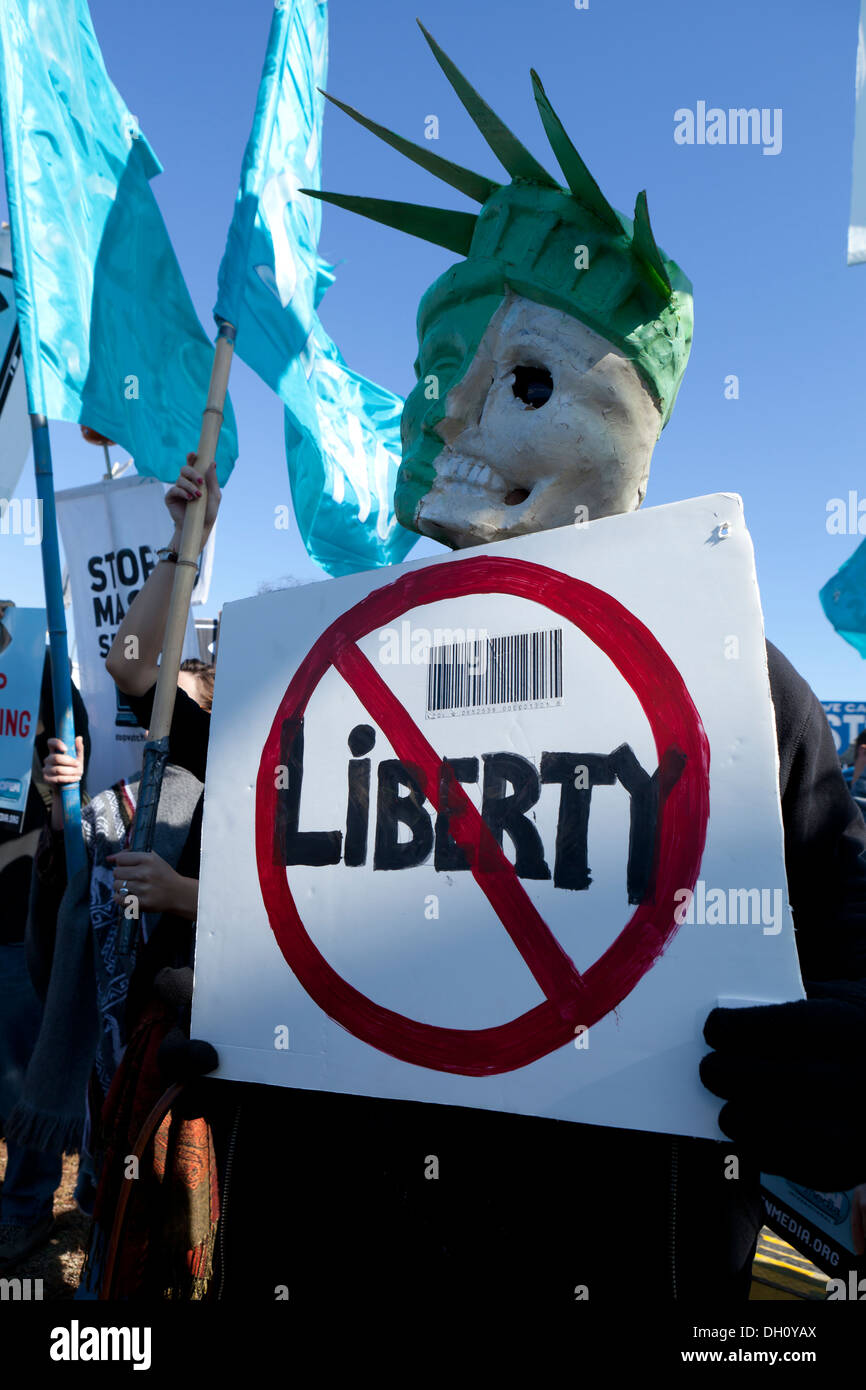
pixel 79 1040
pixel 324 1186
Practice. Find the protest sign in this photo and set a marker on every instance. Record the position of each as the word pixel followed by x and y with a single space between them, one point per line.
pixel 818 1224
pixel 457 835
pixel 111 531
pixel 14 420
pixel 22 654
pixel 846 719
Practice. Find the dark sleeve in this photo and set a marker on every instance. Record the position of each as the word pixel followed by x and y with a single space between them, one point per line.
pixel 47 886
pixel 190 729
pixel 189 860
pixel 825 835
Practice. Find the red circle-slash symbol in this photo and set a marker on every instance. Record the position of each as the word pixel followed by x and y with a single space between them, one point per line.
pixel 681 825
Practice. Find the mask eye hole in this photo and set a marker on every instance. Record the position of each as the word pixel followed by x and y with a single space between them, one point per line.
pixel 533 386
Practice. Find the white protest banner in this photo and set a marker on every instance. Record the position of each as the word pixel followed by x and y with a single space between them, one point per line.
pixel 457 836
pixel 22 654
pixel 110 532
pixel 14 419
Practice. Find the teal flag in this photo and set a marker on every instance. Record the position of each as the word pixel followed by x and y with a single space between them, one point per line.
pixel 342 431
pixel 109 334
pixel 843 599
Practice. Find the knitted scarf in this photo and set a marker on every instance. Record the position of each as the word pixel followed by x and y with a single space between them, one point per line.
pixel 167 1244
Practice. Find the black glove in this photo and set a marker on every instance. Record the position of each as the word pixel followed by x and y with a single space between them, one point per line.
pixel 182 1059
pixel 793 1077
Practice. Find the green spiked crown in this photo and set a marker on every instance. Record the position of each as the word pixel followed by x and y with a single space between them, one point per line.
pixel 566 248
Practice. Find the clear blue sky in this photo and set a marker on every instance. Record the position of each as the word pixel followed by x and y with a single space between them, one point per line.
pixel 762 237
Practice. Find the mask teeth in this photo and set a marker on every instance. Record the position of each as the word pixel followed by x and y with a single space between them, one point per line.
pixel 475 186
pixel 647 251
pixel 577 176
pixel 472 472
pixel 512 155
pixel 442 226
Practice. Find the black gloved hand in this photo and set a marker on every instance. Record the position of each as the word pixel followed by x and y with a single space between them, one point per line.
pixel 793 1077
pixel 182 1059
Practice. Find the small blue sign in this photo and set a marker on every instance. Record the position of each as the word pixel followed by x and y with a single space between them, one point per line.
pixel 846 719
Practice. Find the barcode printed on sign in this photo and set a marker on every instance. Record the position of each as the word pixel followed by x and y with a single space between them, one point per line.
pixel 518 671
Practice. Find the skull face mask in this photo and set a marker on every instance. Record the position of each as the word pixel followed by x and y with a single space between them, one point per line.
pixel 549 359
pixel 547 417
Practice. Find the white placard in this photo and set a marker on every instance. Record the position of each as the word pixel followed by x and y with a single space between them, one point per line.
pixel 110 532
pixel 393 968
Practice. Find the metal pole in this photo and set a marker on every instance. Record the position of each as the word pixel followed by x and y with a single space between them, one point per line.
pixel 61 683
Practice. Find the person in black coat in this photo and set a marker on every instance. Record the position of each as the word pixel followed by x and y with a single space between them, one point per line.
pixel 328 1195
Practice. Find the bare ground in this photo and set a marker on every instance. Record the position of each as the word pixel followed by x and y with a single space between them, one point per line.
pixel 58 1263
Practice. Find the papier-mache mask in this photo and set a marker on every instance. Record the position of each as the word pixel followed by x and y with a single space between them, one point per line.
pixel 549 358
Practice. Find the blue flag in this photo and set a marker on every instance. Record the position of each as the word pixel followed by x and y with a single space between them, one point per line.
pixel 342 431
pixel 843 599
pixel 109 334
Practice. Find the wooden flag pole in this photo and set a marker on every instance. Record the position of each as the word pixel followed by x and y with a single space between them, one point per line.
pixel 190 544
pixel 156 748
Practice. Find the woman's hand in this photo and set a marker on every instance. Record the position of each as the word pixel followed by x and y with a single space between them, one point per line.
pixel 61 770
pixel 134 666
pixel 187 488
pixel 154 884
